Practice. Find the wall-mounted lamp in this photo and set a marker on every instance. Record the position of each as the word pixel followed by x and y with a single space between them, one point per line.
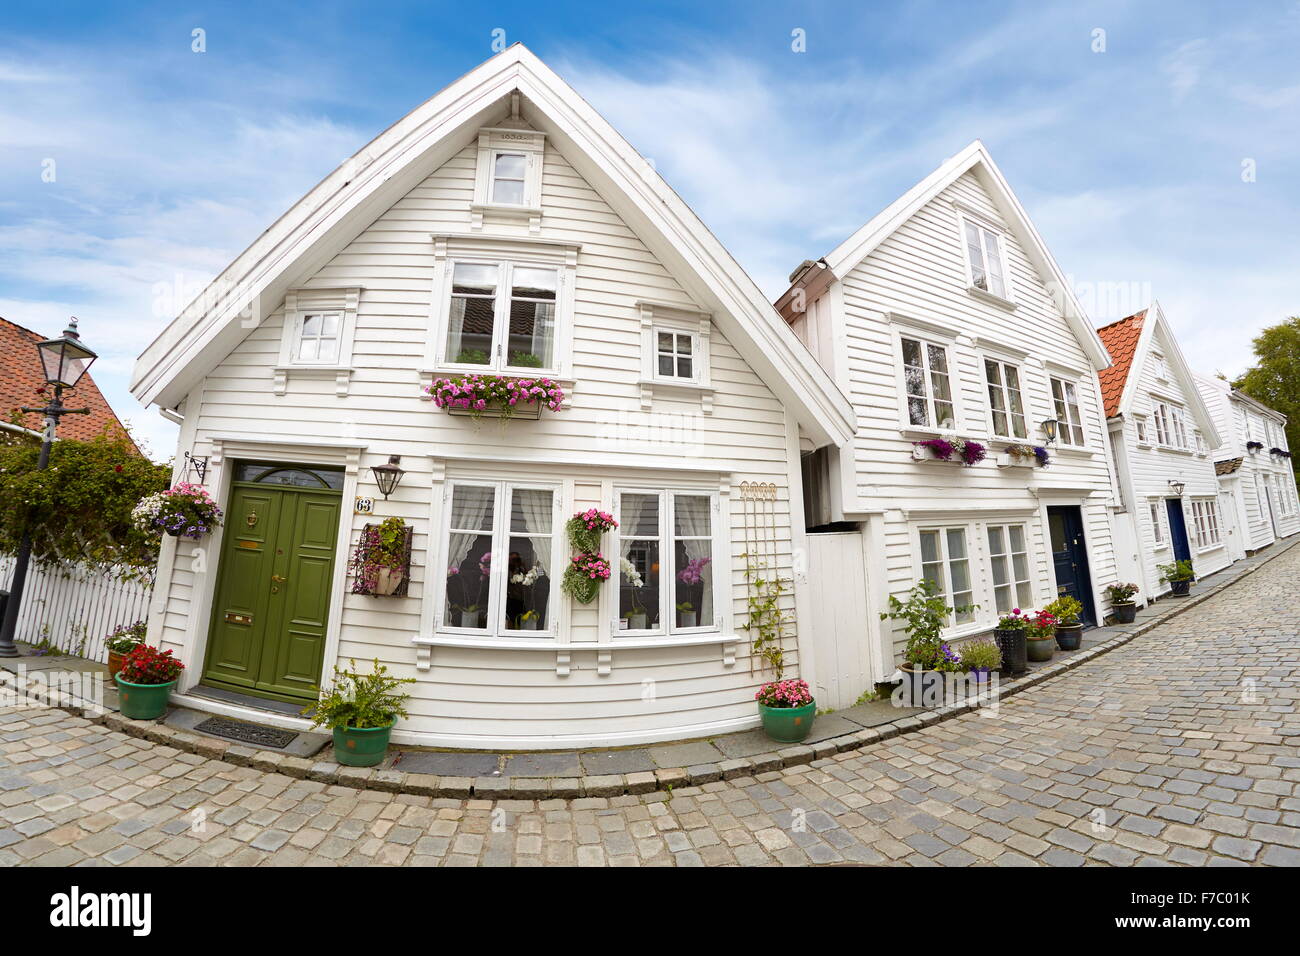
pixel 198 465
pixel 1177 488
pixel 388 476
pixel 1049 429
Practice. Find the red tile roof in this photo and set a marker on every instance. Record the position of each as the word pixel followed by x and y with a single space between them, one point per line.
pixel 21 375
pixel 1120 339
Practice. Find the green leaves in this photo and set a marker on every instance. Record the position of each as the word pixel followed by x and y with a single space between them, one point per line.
pixel 925 614
pixel 361 700
pixel 767 620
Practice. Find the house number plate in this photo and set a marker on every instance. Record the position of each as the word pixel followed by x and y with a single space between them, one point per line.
pixel 233 618
pixel 364 506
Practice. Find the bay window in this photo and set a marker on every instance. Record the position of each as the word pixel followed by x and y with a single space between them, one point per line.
pixel 500 551
pixel 665 560
pixel 501 316
pixel 1065 399
pixel 927 384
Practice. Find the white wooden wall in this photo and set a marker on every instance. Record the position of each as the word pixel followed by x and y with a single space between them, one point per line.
pixel 838 621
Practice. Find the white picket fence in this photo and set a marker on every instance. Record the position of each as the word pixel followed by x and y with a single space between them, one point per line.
pixel 74 610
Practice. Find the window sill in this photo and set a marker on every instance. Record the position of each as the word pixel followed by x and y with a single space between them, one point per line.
pixel 341 374
pixel 992 299
pixel 649 386
pixel 481 210
pixel 564 650
pixel 1071 451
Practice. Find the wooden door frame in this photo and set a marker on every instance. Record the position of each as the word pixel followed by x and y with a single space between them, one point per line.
pixel 1061 499
pixel 223 451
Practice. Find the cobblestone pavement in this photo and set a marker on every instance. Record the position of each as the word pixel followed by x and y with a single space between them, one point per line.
pixel 1178 748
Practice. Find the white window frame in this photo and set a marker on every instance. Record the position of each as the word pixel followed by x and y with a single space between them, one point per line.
pixel 1140 427
pixel 719 573
pixel 1161 366
pixel 1005 389
pixel 1173 434
pixel 1156 509
pixel 494 142
pixel 692 353
pixel 659 317
pixel 932 422
pixel 300 303
pixel 495 177
pixel 1205 517
pixel 985 229
pixel 449 250
pixel 942 529
pixel 1008 556
pixel 1065 426
pixel 501 534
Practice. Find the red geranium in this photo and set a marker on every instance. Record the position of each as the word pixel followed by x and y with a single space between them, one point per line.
pixel 148 665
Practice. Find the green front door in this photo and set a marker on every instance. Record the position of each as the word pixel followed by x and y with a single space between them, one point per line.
pixel 273 585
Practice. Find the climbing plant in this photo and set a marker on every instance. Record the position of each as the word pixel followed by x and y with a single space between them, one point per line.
pixel 78 510
pixel 767 619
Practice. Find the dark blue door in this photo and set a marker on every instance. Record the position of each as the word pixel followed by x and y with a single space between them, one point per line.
pixel 1178 529
pixel 1070 558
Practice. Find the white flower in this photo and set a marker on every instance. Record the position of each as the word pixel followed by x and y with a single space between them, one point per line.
pixel 535 572
pixel 630 572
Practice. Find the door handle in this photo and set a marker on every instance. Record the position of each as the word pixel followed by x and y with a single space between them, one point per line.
pixel 276 581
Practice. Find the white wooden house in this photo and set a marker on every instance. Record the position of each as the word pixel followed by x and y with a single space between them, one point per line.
pixel 945 316
pixel 1161 434
pixel 1256 478
pixel 504 227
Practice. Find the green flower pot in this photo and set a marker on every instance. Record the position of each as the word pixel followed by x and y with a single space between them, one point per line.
pixel 361 746
pixel 788 725
pixel 142 701
pixel 1040 649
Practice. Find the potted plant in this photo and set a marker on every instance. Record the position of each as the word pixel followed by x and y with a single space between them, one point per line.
pixel 1069 631
pixel 184 510
pixel 1120 597
pixel 124 639
pixel 636 616
pixel 925 614
pixel 583 577
pixel 145 682
pixel 686 615
pixel 949 449
pixel 528 620
pixel 586 527
pixel 1010 633
pixel 470 616
pixel 1179 575
pixel 381 559
pixel 1039 645
pixel 787 710
pixel 979 658
pixel 361 710
pixel 476 395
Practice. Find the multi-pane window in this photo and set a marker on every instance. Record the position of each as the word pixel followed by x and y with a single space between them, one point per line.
pixel 1200 442
pixel 1205 517
pixel 945 560
pixel 318 338
pixel 1005 400
pixel 927 384
pixel 508 172
pixel 984 253
pixel 1157 525
pixel 1070 422
pixel 1141 425
pixel 500 551
pixel 674 355
pixel 1171 425
pixel 502 315
pixel 665 562
pixel 1009 559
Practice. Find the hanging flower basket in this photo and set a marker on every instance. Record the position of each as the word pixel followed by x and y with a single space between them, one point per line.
pixel 585 574
pixel 184 510
pixel 381 560
pixel 1026 456
pixel 586 527
pixel 949 449
pixel 496 396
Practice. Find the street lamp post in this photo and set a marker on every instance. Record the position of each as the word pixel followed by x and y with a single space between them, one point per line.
pixel 65 360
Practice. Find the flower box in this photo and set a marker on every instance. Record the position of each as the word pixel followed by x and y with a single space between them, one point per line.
pixel 959 450
pixel 496 396
pixel 1024 456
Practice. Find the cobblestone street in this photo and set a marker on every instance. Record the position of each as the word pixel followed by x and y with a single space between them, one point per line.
pixel 1177 748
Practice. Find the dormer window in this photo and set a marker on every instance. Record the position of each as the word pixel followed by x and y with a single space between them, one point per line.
pixel 985 260
pixel 508 178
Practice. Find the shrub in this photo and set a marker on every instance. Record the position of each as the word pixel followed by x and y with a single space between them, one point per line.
pixel 1121 593
pixel 1180 570
pixel 980 654
pixel 148 665
pixel 360 700
pixel 1066 610
pixel 925 614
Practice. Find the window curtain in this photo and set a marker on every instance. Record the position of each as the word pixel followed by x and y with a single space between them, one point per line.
pixel 455 328
pixel 692 515
pixel 536 509
pixel 471 507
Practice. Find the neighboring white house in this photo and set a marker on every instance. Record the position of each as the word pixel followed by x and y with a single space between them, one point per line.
pixel 1161 434
pixel 503 227
pixel 945 316
pixel 1253 463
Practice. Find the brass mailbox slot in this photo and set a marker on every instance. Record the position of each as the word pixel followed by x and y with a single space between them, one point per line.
pixel 233 618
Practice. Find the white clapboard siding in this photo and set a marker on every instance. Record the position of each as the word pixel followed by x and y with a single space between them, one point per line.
pixel 919 272
pixel 473 695
pixel 72 610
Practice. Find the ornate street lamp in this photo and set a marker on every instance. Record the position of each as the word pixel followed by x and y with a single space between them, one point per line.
pixel 388 476
pixel 65 360
pixel 1176 487
pixel 1049 429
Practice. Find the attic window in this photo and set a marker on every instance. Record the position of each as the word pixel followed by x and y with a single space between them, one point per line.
pixel 316 340
pixel 985 259
pixel 508 178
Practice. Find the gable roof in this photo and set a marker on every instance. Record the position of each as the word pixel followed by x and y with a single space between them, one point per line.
pixel 975 159
pixel 1121 341
pixel 1133 337
pixel 350 198
pixel 21 375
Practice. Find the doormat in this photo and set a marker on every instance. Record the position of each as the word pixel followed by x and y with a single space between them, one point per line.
pixel 248 733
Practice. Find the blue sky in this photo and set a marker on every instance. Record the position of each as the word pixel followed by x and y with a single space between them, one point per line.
pixel 167 162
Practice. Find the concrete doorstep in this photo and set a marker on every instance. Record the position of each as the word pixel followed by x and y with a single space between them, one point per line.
pixel 588 773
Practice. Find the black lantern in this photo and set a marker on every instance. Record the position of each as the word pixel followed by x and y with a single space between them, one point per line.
pixel 65 359
pixel 1049 429
pixel 1177 488
pixel 388 476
